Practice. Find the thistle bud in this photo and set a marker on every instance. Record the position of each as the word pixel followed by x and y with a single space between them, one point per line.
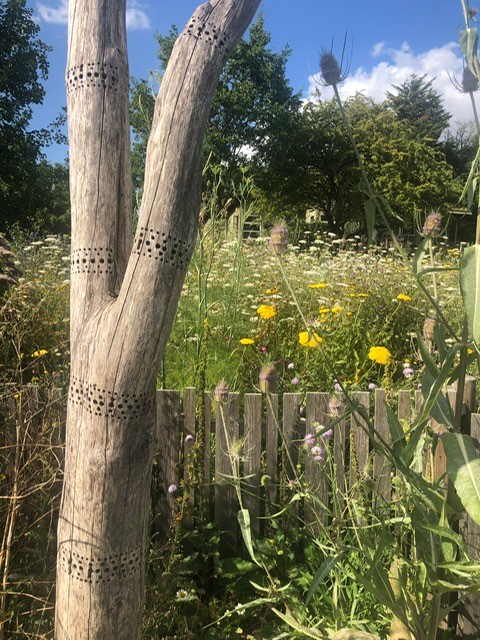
pixel 278 242
pixel 429 328
pixel 221 392
pixel 330 70
pixel 433 224
pixel 268 379
pixel 469 81
pixel 472 12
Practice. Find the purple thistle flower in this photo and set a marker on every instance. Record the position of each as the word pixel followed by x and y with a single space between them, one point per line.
pixel 295 380
pixel 309 439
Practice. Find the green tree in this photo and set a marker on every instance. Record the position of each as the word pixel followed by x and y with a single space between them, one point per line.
pixel 27 185
pixel 417 103
pixel 254 106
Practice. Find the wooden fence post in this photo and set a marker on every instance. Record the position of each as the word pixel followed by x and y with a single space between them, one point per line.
pixel 315 472
pixel 382 469
pixel 252 413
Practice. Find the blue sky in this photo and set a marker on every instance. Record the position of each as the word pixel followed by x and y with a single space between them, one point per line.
pixel 391 39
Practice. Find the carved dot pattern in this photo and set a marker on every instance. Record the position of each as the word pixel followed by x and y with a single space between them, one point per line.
pixel 94 569
pixel 101 402
pixel 92 74
pixel 92 260
pixel 208 32
pixel 162 246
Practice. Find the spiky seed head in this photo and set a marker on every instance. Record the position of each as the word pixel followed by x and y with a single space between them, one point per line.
pixel 433 224
pixel 429 327
pixel 268 379
pixel 330 69
pixel 221 392
pixel 278 242
pixel 469 81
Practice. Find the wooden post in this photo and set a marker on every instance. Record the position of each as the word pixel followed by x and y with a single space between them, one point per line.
pixel 382 469
pixel 315 471
pixel 124 296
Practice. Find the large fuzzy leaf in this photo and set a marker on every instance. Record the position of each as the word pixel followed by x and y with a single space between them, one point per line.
pixel 463 468
pixel 470 287
pixel 468 44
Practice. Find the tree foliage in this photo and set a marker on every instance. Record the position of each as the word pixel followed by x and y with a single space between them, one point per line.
pixel 28 184
pixel 418 104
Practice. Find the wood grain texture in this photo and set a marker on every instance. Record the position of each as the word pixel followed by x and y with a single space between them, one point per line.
pixel 124 297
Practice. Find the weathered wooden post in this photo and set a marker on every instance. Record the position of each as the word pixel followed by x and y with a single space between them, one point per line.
pixel 124 296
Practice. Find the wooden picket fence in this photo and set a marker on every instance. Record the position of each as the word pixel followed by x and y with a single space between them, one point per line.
pixel 255 444
pixel 263 437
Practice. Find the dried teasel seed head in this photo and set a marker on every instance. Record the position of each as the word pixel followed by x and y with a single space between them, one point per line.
pixel 221 392
pixel 268 379
pixel 330 69
pixel 472 12
pixel 278 241
pixel 433 224
pixel 335 406
pixel 469 81
pixel 429 327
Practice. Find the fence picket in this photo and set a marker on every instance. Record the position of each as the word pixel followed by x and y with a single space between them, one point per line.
pixel 165 472
pixel 189 433
pixel 226 466
pixel 382 469
pixel 252 413
pixel 316 410
pixel 359 440
pixel 271 445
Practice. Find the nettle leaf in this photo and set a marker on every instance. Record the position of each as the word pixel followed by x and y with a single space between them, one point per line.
pixel 470 288
pixel 468 44
pixel 463 468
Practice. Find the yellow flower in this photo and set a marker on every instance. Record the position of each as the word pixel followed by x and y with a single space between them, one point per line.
pixel 362 295
pixel 271 292
pixel 336 309
pixel 380 354
pixel 309 339
pixel 39 354
pixel 247 341
pixel 266 311
pixel 403 296
pixel 318 285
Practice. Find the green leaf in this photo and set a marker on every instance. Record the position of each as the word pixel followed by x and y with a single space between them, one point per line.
pixel 468 44
pixel 325 568
pixel 420 254
pixel 463 468
pixel 470 288
pixel 243 517
pixel 294 624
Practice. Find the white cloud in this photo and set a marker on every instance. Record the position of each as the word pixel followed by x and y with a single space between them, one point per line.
pixel 396 66
pixel 57 15
pixel 137 18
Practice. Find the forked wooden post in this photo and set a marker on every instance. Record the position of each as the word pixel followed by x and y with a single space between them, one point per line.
pixel 124 296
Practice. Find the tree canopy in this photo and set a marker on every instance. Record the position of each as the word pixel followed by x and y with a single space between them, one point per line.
pixel 28 183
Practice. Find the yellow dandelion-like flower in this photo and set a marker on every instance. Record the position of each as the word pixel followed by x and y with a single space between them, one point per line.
pixel 380 354
pixel 336 309
pixel 39 353
pixel 247 341
pixel 309 339
pixel 362 295
pixel 266 311
pixel 271 292
pixel 318 285
pixel 404 297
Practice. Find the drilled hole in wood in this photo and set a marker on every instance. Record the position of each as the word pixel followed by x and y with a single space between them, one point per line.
pixel 92 75
pixel 96 568
pixel 96 260
pixel 207 32
pixel 102 402
pixel 165 248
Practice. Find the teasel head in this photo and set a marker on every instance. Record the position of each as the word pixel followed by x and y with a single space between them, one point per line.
pixel 221 392
pixel 331 72
pixel 268 379
pixel 429 327
pixel 433 224
pixel 278 241
pixel 469 82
